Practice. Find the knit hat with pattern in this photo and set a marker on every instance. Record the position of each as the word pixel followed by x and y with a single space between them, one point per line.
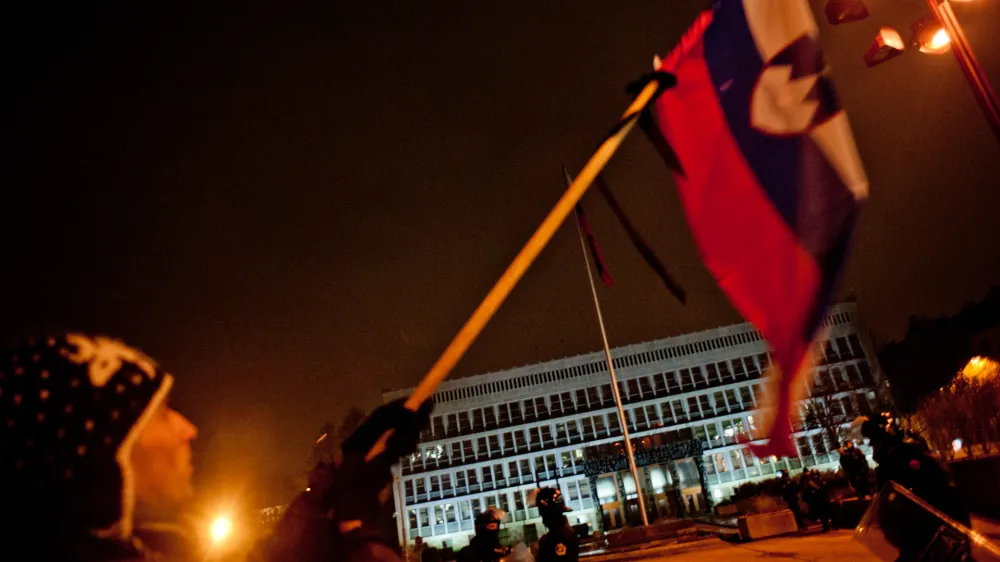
pixel 71 407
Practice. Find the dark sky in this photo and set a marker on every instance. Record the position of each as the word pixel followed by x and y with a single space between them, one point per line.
pixel 293 205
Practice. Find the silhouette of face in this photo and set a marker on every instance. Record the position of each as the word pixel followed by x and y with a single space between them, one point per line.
pixel 161 461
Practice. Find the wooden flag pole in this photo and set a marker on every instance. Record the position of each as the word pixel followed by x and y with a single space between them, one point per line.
pixel 503 287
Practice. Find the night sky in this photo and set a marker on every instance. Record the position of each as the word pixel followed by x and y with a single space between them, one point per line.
pixel 295 205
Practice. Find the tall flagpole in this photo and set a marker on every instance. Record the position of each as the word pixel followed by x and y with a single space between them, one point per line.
pixel 623 421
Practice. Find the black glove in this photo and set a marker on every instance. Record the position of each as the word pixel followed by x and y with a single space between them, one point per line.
pixel 358 481
pixel 405 424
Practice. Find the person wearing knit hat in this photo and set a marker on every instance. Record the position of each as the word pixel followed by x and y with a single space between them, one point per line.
pixel 86 433
pixel 88 442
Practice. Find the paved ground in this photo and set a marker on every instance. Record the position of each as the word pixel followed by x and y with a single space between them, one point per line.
pixel 826 547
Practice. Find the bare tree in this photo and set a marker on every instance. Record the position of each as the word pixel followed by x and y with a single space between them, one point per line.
pixel 833 403
pixel 968 408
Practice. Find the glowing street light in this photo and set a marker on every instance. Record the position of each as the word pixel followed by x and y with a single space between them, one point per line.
pixel 221 529
pixel 929 36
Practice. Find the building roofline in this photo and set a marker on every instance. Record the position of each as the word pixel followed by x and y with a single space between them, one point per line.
pixel 668 343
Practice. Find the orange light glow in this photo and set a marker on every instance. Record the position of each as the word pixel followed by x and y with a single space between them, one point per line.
pixel 891 38
pixel 940 39
pixel 887 44
pixel 981 369
pixel 220 530
pixel 935 44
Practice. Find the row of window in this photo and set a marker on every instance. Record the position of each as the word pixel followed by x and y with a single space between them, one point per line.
pixel 640 418
pixel 458 516
pixel 637 389
pixel 632 360
pixel 843 377
pixel 495 476
pixel 589 428
pixel 815 446
pixel 642 388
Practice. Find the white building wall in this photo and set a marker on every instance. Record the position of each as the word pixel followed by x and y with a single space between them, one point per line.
pixel 707 381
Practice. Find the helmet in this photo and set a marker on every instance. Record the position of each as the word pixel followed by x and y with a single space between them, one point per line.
pixel 489 521
pixel 550 500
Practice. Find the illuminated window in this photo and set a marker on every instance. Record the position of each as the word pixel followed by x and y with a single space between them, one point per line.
pixel 719 461
pixel 734 455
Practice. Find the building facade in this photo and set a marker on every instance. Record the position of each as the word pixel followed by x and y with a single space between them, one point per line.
pixel 690 404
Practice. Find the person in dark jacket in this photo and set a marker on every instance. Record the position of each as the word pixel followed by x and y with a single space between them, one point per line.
pixel 789 492
pixel 94 463
pixel 855 467
pixel 485 546
pixel 910 465
pixel 560 543
pixel 816 494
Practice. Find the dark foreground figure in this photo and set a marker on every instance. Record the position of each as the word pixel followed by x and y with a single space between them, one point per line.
pixel 909 464
pixel 485 546
pixel 560 543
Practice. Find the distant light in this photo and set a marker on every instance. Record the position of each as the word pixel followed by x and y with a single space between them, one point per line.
pixel 956 445
pixel 221 529
pixel 887 45
pixel 308 489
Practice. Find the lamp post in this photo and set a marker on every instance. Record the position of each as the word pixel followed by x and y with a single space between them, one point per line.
pixel 969 64
pixel 934 34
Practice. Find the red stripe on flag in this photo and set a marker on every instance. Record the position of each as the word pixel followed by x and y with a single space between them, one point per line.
pixel 743 240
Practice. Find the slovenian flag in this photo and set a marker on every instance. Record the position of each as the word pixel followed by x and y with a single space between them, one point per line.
pixel 772 181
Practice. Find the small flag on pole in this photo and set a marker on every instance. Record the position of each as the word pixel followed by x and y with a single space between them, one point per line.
pixel 595 252
pixel 772 182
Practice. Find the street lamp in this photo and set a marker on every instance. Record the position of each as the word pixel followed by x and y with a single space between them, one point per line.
pixel 935 34
pixel 929 36
pixel 887 44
